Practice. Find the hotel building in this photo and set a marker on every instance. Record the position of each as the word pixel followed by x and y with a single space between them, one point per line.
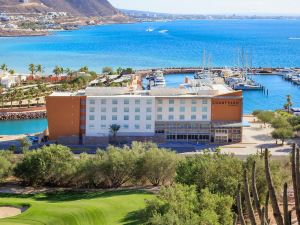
pixel 209 113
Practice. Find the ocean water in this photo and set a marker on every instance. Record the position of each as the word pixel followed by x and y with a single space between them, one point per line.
pixel 15 127
pixel 271 42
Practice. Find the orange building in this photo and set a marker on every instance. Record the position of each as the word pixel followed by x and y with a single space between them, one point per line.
pixel 66 117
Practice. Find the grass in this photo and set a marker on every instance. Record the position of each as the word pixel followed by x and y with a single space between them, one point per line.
pixel 68 208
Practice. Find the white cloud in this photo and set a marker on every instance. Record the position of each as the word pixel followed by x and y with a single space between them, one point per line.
pixel 213 6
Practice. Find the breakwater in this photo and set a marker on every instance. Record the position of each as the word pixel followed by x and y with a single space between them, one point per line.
pixel 23 115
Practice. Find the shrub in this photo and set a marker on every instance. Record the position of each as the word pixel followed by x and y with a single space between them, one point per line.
pixel 51 165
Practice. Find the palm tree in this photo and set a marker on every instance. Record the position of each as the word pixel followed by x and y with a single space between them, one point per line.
pixel 31 68
pixel 29 98
pixel 12 96
pixel 39 69
pixel 84 69
pixel 2 95
pixel 11 72
pixel 289 103
pixel 58 70
pixel 4 68
pixel 114 128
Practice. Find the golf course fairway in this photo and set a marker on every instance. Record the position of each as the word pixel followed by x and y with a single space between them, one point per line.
pixel 69 208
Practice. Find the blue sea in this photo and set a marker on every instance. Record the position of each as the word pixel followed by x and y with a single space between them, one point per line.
pixel 272 43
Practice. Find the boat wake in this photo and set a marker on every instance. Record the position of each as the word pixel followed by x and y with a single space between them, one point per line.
pixel 294 38
pixel 163 31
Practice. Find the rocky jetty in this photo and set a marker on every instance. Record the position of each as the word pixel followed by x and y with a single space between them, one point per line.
pixel 23 115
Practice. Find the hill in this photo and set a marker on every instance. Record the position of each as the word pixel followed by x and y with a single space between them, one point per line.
pixel 74 7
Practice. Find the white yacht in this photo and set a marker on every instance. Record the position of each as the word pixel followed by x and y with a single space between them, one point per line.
pixel 157 79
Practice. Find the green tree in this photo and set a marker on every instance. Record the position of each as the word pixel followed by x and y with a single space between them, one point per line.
pixel 283 133
pixel 11 72
pixel 5 164
pixel 279 122
pixel 118 165
pixel 39 69
pixel 108 70
pixel 84 69
pixel 49 165
pixel 288 103
pixel 217 172
pixel 58 70
pixel 31 69
pixel 158 165
pixel 4 68
pixel 265 116
pixel 114 129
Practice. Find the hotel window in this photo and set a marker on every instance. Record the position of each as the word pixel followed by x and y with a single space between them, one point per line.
pixel 159 101
pixel 126 117
pixel 194 101
pixel 149 101
pixel 193 117
pixel 136 126
pixel 92 101
pixel 159 109
pixel 103 126
pixel 103 117
pixel 92 109
pixel 114 109
pixel 159 117
pixel 103 101
pixel 137 117
pixel 171 117
pixel 115 102
pixel 171 109
pixel 181 117
pixel 171 101
pixel 114 117
pixel 126 109
pixel 82 102
pixel 91 126
pixel 148 117
pixel 204 109
pixel 148 126
pixel 149 110
pixel 103 109
pixel 204 117
pixel 204 101
pixel 137 101
pixel 193 109
pixel 126 101
pixel 182 109
pixel 137 109
pixel 125 126
pixel 91 117
pixel 182 101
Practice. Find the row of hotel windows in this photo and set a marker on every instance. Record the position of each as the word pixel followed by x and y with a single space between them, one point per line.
pixel 125 126
pixel 148 117
pixel 148 101
pixel 116 101
pixel 115 109
pixel 181 117
pixel 182 101
pixel 115 117
pixel 149 109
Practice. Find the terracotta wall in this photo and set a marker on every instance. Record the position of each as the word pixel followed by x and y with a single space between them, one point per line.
pixel 63 116
pixel 228 107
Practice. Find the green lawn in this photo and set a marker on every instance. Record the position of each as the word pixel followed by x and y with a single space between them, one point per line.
pixel 97 208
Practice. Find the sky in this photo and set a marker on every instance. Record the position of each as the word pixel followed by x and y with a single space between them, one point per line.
pixel 258 7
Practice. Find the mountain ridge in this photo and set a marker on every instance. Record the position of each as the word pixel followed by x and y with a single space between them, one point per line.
pixel 88 8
